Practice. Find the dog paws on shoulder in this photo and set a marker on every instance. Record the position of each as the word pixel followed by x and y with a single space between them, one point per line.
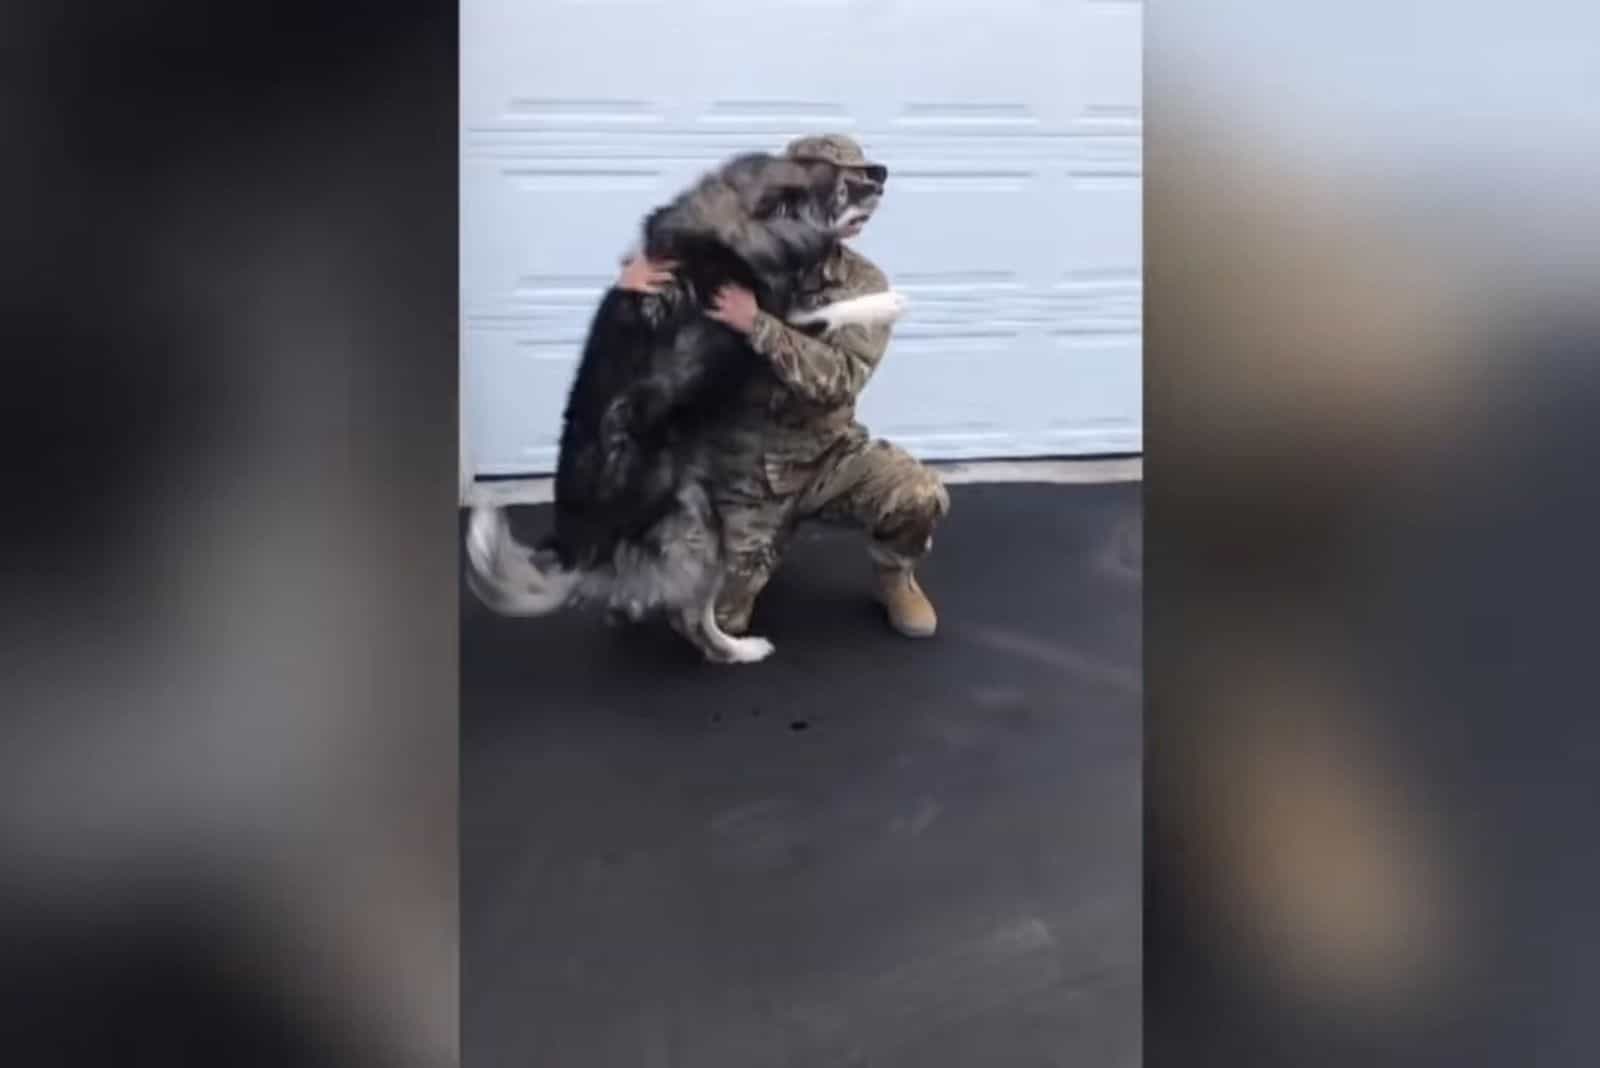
pixel 895 303
pixel 871 310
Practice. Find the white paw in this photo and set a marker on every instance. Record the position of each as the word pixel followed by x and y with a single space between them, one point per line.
pixel 874 308
pixel 806 318
pixel 870 310
pixel 749 650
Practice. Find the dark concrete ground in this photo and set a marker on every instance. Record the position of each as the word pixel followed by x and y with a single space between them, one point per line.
pixel 866 851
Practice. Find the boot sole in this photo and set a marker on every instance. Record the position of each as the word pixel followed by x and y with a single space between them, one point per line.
pixel 913 632
pixel 907 631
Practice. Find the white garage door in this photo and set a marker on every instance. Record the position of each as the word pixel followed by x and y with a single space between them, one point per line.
pixel 1011 129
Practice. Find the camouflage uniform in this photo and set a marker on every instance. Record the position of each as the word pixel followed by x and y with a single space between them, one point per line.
pixel 794 450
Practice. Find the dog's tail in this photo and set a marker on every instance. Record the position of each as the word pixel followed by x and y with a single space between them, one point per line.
pixel 501 571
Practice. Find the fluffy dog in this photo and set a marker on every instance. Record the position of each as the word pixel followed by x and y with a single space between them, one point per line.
pixel 635 528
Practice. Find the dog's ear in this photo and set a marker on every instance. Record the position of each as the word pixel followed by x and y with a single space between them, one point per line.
pixel 767 202
pixel 823 178
pixel 779 201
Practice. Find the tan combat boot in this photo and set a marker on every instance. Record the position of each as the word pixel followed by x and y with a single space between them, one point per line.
pixel 910 611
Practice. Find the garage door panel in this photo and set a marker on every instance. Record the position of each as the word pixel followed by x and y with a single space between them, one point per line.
pixel 515 439
pixel 573 220
pixel 1103 231
pixel 661 66
pixel 1026 394
pixel 1110 71
pixel 954 228
pixel 1101 380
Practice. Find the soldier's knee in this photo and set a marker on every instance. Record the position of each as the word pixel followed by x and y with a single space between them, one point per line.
pixel 907 524
pixel 941 496
pixel 929 500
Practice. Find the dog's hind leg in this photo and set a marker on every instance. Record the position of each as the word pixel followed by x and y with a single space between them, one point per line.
pixel 700 627
pixel 698 623
pixel 747 650
pixel 687 575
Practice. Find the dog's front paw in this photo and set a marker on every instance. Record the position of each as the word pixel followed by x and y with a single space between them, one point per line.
pixel 874 309
pixel 749 650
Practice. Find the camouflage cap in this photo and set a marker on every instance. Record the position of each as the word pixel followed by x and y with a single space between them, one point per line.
pixel 838 149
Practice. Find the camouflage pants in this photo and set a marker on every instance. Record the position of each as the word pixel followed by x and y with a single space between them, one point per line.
pixel 873 485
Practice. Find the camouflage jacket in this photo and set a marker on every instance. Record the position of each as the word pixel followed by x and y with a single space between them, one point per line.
pixel 788 420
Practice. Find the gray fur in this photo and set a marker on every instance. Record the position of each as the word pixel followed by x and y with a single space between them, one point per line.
pixel 733 203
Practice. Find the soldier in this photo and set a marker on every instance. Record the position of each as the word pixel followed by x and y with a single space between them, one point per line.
pixel 793 449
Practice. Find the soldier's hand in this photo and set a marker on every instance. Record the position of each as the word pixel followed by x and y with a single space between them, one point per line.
pixel 640 275
pixel 734 306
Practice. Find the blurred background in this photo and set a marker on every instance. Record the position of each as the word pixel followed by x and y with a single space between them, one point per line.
pixel 230 570
pixel 1370 383
pixel 227 786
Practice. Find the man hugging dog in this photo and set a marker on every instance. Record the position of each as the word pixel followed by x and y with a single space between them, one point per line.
pixel 792 448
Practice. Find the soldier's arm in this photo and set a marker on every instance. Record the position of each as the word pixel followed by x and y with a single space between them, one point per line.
pixel 830 371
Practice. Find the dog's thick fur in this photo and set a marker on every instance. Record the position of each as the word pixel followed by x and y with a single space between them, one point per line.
pixel 635 527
